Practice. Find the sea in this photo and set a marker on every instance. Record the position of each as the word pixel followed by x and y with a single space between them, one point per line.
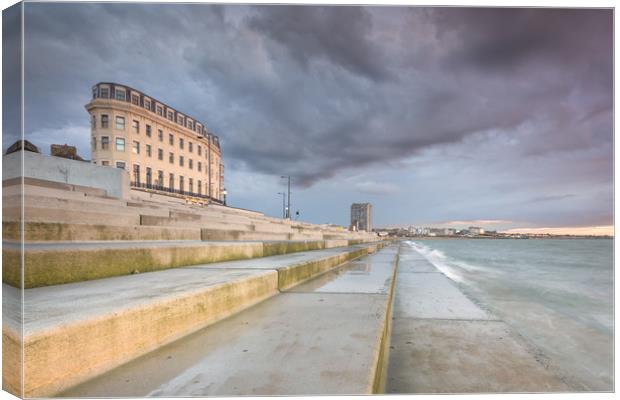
pixel 557 294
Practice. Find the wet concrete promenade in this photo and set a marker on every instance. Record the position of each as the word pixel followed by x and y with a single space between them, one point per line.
pixel 324 336
pixel 443 342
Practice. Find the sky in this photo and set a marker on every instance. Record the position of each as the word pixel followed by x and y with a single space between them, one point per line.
pixel 501 118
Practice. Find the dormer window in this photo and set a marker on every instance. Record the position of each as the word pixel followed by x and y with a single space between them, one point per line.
pixel 104 93
pixel 120 94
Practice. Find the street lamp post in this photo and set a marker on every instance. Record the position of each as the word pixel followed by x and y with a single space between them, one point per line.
pixel 283 205
pixel 288 208
pixel 224 193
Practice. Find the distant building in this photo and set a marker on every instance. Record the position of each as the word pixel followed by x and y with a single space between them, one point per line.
pixel 65 151
pixel 361 217
pixel 22 145
pixel 474 230
pixel 448 231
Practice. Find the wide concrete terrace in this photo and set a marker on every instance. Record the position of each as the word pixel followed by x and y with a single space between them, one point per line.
pixel 78 330
pixel 325 336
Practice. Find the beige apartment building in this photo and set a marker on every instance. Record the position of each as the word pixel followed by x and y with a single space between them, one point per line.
pixel 163 149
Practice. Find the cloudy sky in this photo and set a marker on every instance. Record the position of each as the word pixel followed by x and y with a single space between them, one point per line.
pixel 435 115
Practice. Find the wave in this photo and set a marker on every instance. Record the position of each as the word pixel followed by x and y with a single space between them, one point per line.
pixel 454 269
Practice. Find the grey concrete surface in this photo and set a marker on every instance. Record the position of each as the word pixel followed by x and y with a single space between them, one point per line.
pixel 301 342
pixel 291 344
pixel 442 342
pixel 454 356
pixel 48 306
pixel 371 274
pixel 432 295
pixel 113 180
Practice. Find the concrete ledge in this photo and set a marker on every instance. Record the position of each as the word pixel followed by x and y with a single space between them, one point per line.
pixel 54 264
pixel 58 263
pixel 317 339
pixel 275 248
pixel 55 231
pixel 121 318
pixel 232 234
pixel 62 348
pixel 11 362
pixel 70 216
pixel 292 275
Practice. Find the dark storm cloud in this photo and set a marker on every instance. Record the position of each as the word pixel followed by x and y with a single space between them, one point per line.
pixel 11 73
pixel 340 34
pixel 317 91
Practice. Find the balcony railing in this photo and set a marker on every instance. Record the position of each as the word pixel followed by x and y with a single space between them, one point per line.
pixel 164 189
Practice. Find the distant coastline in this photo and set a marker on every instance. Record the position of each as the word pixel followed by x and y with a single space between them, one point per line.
pixel 512 237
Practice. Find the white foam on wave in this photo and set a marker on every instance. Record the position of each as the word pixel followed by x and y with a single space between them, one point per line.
pixel 439 259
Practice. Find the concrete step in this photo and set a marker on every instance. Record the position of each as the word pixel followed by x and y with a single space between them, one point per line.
pixel 56 232
pixel 54 185
pixel 69 216
pixel 76 331
pixel 324 337
pixel 84 204
pixel 149 220
pixel 231 234
pixel 54 190
pixel 443 342
pixel 55 263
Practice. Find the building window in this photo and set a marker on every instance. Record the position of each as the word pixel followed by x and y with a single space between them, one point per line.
pixel 120 144
pixel 199 150
pixel 148 150
pixel 199 187
pixel 136 126
pixel 181 183
pixel 104 93
pixel 190 146
pixel 148 130
pixel 171 158
pixel 104 120
pixel 105 163
pixel 191 163
pixel 120 164
pixel 93 122
pixel 181 143
pixel 94 143
pixel 136 147
pixel 160 111
pixel 149 178
pixel 171 139
pixel 147 104
pixel 170 115
pixel 120 123
pixel 199 166
pixel 191 185
pixel 105 143
pixel 135 99
pixel 160 154
pixel 160 135
pixel 181 161
pixel 171 181
pixel 120 95
pixel 136 173
pixel 160 178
